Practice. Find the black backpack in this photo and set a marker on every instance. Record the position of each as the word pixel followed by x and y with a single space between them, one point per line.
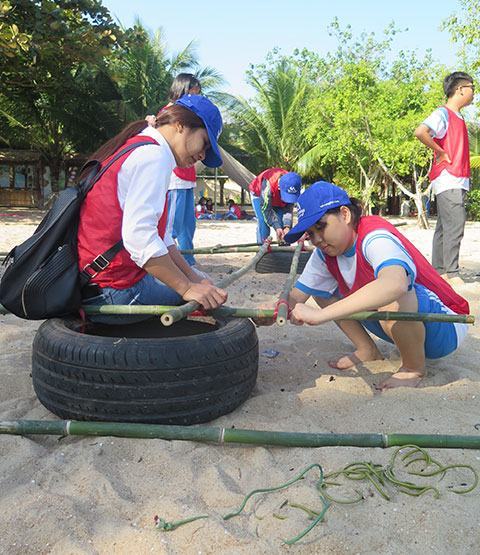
pixel 42 278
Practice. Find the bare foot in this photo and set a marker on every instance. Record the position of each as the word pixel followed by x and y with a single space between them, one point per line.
pixel 360 355
pixel 403 378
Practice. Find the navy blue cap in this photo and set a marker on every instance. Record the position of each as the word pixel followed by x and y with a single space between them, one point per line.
pixel 318 199
pixel 290 185
pixel 210 115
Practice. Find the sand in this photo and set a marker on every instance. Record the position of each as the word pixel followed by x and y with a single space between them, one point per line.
pixel 99 495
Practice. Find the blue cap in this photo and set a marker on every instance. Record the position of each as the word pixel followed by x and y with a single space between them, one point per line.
pixel 290 185
pixel 210 115
pixel 313 204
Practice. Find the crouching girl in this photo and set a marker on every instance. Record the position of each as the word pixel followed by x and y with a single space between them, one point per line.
pixel 364 263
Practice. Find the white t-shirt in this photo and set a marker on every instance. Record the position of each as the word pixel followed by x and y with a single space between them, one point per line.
pixel 142 187
pixel 437 122
pixel 380 249
pixel 179 183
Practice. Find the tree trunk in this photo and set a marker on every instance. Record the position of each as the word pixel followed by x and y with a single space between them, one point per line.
pixel 55 165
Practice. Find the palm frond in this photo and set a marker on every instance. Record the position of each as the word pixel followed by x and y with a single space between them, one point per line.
pixel 475 162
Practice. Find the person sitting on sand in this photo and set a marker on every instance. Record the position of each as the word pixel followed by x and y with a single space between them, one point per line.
pixel 234 211
pixel 200 208
pixel 364 263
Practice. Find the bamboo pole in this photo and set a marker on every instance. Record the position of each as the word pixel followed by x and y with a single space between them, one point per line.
pixel 239 312
pixel 177 313
pixel 219 435
pixel 282 303
pixel 238 248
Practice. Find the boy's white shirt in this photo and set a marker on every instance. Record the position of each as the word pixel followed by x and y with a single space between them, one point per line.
pixel 143 182
pixel 437 122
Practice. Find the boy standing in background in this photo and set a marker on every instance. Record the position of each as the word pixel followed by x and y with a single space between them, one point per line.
pixel 445 132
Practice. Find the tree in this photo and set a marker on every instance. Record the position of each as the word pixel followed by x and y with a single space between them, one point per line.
pixel 363 116
pixel 464 29
pixel 56 88
pixel 270 127
pixel 145 69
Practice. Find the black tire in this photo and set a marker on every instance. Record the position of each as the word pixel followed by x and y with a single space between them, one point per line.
pixel 280 262
pixel 185 374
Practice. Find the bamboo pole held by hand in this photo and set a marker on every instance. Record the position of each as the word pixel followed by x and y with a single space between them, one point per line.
pixel 180 312
pixel 282 303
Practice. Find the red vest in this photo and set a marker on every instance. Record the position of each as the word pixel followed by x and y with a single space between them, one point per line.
pixel 455 144
pixel 273 176
pixel 426 273
pixel 187 174
pixel 237 211
pixel 100 227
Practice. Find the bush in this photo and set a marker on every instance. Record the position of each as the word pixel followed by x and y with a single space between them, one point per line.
pixel 473 205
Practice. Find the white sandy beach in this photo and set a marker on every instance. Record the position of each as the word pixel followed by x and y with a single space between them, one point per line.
pixel 99 495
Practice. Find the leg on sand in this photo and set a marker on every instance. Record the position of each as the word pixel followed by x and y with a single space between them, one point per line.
pixel 409 337
pixel 365 348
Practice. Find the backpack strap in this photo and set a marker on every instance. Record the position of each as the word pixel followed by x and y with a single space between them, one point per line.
pixel 103 260
pixel 92 179
pixel 99 263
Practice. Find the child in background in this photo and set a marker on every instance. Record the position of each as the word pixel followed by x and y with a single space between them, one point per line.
pixel 445 132
pixel 234 211
pixel 273 193
pixel 364 263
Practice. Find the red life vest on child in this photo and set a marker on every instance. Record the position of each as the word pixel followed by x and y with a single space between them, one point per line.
pixel 455 144
pixel 273 176
pixel 426 273
pixel 100 227
pixel 187 174
pixel 236 210
pixel 199 210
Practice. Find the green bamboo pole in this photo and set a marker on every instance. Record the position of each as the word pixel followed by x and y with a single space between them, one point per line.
pixel 233 249
pixel 180 312
pixel 282 314
pixel 238 312
pixel 158 310
pixel 213 434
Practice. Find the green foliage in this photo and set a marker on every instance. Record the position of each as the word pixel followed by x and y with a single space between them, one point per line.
pixel 56 89
pixel 71 77
pixel 473 204
pixel 270 128
pixel 361 120
pixel 464 29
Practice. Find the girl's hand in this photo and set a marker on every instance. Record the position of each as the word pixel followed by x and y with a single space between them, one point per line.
pixel 207 295
pixel 303 314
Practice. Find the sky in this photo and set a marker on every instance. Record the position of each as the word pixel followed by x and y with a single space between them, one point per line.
pixel 232 35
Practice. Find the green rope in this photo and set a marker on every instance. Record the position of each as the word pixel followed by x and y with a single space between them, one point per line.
pixel 318 517
pixel 275 488
pixel 383 479
pixel 165 526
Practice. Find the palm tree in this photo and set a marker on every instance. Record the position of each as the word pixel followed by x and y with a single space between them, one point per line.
pixel 145 71
pixel 270 126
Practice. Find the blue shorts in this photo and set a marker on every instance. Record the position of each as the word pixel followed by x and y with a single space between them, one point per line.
pixel 441 338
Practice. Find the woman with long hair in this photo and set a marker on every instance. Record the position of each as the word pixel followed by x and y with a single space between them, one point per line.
pixel 129 203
